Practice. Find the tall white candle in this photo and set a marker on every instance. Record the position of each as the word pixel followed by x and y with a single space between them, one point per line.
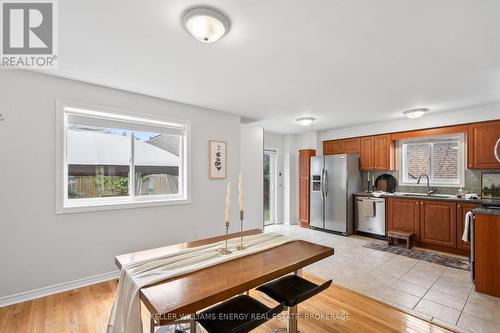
pixel 228 203
pixel 241 193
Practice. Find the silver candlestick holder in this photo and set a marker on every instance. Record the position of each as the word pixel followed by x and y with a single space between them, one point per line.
pixel 241 246
pixel 225 250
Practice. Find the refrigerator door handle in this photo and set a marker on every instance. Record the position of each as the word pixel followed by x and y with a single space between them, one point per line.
pixel 325 179
pixel 321 185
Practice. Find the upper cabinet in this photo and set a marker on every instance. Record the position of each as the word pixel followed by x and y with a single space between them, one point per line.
pixel 332 147
pixel 345 146
pixel 366 154
pixel 481 140
pixel 377 153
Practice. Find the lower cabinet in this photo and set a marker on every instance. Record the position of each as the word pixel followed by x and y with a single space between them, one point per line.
pixel 487 254
pixel 437 224
pixel 403 215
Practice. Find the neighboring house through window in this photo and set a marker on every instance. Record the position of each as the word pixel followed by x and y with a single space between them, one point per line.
pixel 115 160
pixel 441 158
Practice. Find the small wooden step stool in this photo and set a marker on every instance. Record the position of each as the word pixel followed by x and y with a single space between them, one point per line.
pixel 397 234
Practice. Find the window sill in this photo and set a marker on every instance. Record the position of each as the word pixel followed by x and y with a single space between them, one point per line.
pixel 119 205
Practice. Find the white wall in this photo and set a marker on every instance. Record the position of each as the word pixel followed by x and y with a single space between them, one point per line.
pixel 252 159
pixel 289 161
pixel 39 248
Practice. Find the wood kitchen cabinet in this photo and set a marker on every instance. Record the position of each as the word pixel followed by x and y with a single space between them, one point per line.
pixel 383 157
pixel 304 187
pixel 438 223
pixel 462 209
pixel 481 140
pixel 345 146
pixel 487 254
pixel 332 147
pixel 366 158
pixel 377 153
pixel 403 215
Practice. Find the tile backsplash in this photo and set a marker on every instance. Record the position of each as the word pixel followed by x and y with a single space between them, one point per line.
pixel 472 183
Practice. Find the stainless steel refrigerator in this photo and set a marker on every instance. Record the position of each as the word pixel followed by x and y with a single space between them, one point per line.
pixel 334 179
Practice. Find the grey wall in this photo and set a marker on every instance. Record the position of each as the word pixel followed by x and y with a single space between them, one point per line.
pixel 39 248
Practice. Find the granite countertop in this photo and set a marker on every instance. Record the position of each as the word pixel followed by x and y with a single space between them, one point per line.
pixel 416 196
pixel 487 211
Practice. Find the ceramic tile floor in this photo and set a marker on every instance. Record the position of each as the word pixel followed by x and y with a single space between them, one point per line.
pixel 433 292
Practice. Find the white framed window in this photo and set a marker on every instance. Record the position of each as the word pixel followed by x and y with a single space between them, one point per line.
pixel 113 159
pixel 440 157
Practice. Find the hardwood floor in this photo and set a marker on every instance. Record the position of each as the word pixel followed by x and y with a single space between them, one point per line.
pixel 86 310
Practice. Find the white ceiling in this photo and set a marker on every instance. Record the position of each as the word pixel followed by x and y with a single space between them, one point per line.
pixel 346 62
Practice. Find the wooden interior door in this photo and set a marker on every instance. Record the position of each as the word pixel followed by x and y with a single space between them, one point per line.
pixel 403 215
pixel 481 140
pixel 438 223
pixel 366 154
pixel 304 181
pixel 462 209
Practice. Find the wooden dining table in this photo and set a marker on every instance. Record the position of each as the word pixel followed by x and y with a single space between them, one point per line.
pixel 173 299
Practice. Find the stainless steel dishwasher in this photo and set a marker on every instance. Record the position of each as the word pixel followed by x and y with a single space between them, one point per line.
pixel 372 220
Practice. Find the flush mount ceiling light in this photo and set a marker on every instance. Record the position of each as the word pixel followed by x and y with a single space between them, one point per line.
pixel 415 113
pixel 205 24
pixel 305 121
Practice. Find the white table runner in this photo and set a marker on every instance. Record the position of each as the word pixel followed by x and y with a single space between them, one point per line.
pixel 126 312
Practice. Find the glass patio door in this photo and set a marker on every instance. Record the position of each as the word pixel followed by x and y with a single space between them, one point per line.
pixel 269 187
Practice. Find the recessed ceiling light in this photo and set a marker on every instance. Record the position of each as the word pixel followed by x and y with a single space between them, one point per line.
pixel 205 24
pixel 305 121
pixel 415 113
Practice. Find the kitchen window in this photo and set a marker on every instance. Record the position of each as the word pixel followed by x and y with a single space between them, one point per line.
pixel 110 160
pixel 441 158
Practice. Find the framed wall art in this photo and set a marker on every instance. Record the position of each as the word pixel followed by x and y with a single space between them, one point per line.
pixel 217 159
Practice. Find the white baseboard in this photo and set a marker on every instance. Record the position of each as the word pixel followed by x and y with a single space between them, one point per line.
pixel 57 288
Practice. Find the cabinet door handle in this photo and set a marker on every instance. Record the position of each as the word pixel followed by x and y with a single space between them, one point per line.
pixel 421 203
pixel 416 203
pixel 459 206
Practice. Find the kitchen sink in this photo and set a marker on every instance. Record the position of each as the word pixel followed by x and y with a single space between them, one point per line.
pixel 411 194
pixel 449 196
pixel 435 195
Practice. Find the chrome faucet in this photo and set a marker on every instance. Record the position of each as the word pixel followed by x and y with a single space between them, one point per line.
pixel 429 190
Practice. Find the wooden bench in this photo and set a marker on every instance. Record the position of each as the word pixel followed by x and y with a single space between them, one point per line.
pixel 397 234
